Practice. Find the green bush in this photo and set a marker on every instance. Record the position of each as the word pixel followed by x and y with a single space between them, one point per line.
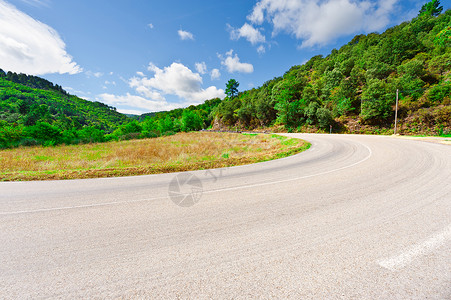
pixel 44 132
pixel 324 117
pixel 438 92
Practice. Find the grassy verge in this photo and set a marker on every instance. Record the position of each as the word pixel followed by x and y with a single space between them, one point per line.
pixel 181 152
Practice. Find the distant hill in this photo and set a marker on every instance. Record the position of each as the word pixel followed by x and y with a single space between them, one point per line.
pixel 31 81
pixel 29 101
pixel 144 116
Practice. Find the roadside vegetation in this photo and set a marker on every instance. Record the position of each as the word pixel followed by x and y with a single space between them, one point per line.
pixel 180 152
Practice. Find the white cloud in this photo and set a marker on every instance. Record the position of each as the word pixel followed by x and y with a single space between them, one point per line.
pixel 37 3
pixel 233 64
pixel 32 47
pixel 320 22
pixel 131 111
pixel 139 73
pixel 185 35
pixel 148 93
pixel 76 92
pixel 201 67
pixel 177 80
pixel 248 32
pixel 150 25
pixel 93 74
pixel 136 103
pixel 261 49
pixel 215 74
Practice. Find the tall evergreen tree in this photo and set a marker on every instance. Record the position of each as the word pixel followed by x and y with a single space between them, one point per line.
pixel 232 88
pixel 432 8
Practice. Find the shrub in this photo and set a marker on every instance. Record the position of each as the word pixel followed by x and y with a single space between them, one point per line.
pixel 324 117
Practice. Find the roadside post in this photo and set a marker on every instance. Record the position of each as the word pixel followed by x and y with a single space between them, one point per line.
pixel 396 112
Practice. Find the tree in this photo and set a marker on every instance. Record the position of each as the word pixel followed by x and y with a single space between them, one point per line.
pixel 165 124
pixel 377 100
pixel 91 134
pixel 324 117
pixel 45 132
pixel 191 121
pixel 432 8
pixel 232 88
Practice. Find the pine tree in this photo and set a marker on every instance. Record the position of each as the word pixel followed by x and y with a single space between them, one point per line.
pixel 232 88
pixel 432 8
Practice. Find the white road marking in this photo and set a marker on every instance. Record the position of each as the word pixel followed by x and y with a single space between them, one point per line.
pixel 370 153
pixel 428 246
pixel 292 179
pixel 77 206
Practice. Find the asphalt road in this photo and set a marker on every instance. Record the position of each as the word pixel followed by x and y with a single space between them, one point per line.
pixel 354 217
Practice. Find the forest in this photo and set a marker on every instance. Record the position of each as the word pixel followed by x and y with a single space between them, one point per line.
pixel 353 89
pixel 357 84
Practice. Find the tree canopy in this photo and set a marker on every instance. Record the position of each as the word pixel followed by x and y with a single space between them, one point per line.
pixel 232 88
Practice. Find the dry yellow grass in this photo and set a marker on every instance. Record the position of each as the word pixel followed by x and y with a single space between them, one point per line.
pixel 181 152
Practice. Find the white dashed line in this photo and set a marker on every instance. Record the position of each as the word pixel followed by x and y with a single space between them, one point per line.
pixel 398 262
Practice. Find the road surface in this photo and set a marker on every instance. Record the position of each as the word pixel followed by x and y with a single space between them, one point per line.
pixel 354 217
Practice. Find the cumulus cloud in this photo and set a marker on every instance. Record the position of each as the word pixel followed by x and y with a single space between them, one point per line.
pixel 176 79
pixel 147 92
pixel 134 104
pixel 233 64
pixel 201 68
pixel 320 22
pixel 248 32
pixel 215 74
pixel 32 47
pixel 185 35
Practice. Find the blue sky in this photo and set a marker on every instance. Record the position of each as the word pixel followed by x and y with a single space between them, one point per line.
pixel 145 55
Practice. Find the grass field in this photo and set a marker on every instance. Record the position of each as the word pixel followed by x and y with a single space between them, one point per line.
pixel 180 152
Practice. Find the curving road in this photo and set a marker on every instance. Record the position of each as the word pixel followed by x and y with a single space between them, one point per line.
pixel 353 217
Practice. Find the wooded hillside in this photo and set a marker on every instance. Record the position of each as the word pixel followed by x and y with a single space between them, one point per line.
pixel 356 85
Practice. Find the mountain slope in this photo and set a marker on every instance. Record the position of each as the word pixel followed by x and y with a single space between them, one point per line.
pixel 25 110
pixel 355 86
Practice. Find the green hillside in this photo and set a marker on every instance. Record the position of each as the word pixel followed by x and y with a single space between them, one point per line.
pixel 34 111
pixel 354 88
